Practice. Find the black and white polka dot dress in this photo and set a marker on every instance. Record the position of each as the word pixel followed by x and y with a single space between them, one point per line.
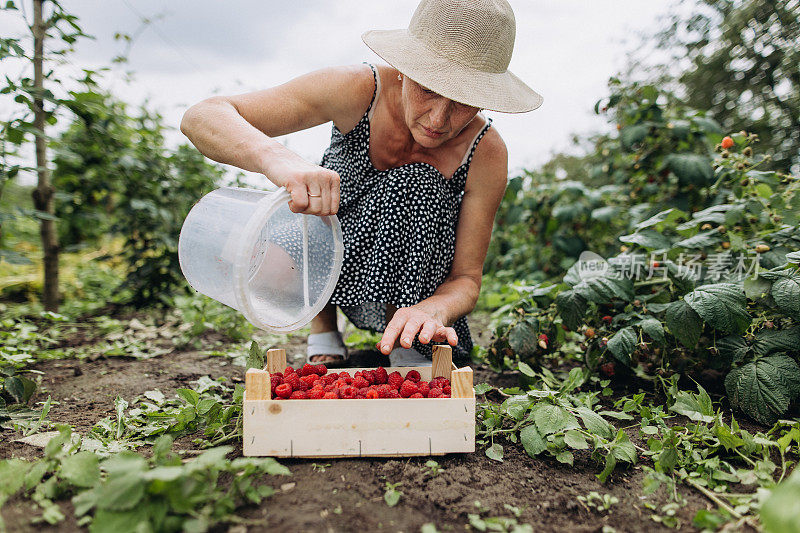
pixel 399 230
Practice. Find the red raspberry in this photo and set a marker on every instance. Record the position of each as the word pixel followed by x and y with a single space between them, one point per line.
pixel 360 396
pixel 332 395
pixel 369 376
pixel 275 379
pixel 289 370
pixel 381 376
pixel 408 388
pixel 416 395
pixel 316 394
pixel 424 388
pixel 360 382
pixel 727 142
pixel 394 394
pixel 307 370
pixel 445 395
pixel 321 370
pixel 309 379
pixel 292 380
pixel 299 395
pixel 329 378
pixel 349 393
pixel 372 394
pixel 413 375
pixel 384 390
pixel 362 391
pixel 446 389
pixel 395 380
pixel 435 392
pixel 283 390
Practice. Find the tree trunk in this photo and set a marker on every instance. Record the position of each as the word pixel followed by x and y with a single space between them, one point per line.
pixel 43 194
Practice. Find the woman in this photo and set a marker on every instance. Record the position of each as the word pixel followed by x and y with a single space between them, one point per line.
pixel 414 170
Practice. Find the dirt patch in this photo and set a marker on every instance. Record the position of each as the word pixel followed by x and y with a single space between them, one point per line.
pixel 347 494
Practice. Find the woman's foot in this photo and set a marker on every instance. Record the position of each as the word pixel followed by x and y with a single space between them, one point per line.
pixel 326 348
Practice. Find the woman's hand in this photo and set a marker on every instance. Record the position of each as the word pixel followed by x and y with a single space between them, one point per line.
pixel 407 322
pixel 314 190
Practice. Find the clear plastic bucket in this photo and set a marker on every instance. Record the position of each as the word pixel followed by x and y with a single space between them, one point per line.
pixel 247 249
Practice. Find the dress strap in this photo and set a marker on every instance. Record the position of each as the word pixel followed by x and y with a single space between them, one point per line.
pixel 376 76
pixel 475 141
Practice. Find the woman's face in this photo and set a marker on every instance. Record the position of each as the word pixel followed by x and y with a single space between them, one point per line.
pixel 432 118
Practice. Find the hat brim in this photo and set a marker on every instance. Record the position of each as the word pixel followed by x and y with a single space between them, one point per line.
pixel 502 92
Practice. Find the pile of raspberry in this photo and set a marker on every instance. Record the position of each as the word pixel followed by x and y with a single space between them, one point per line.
pixel 312 382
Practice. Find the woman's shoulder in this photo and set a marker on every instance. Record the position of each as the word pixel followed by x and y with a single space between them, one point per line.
pixel 491 149
pixel 350 89
pixel 490 159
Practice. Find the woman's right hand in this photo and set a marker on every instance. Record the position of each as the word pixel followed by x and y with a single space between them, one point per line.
pixel 314 190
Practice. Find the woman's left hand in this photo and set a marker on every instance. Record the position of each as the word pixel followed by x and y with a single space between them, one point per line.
pixel 407 322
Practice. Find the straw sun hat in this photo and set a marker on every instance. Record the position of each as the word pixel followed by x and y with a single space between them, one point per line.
pixel 460 49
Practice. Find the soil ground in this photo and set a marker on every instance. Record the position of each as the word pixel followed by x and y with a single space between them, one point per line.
pixel 347 494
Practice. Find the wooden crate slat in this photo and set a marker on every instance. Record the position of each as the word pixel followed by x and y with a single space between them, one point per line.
pixel 256 383
pixel 382 427
pixel 276 360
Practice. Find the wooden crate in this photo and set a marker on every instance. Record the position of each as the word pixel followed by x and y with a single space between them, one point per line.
pixel 360 428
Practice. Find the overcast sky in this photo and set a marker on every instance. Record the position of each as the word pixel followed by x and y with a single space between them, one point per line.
pixel 565 49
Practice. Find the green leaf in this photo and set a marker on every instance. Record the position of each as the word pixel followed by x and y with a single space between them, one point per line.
pixel 691 168
pixel 121 493
pixel 780 513
pixel 124 463
pixel 786 292
pixel 623 449
pixel 12 472
pixel 722 305
pixel 572 307
pixel 255 359
pixel 595 424
pixel 632 135
pixel 704 239
pixel 764 388
pixel 653 328
pixel 669 216
pixel 769 341
pixel 189 396
pixel 516 406
pixel 575 440
pixel 726 437
pixel 732 348
pixel 611 462
pixel 532 441
pixel 566 457
pixel 81 469
pixel 551 419
pixel 623 344
pixel 697 407
pixel 135 520
pixel 482 388
pixel 523 339
pixel 684 323
pixel 603 289
pixel 525 369
pixel 495 452
pixel 649 239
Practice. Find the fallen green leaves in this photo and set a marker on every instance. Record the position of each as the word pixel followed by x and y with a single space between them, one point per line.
pixel 129 492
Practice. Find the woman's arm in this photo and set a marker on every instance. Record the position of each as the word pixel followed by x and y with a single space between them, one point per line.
pixel 238 130
pixel 457 296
